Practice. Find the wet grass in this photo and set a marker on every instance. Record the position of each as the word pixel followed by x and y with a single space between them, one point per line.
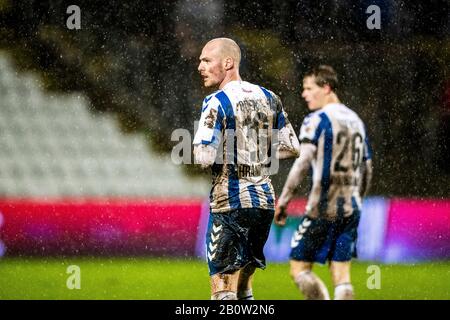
pixel 175 279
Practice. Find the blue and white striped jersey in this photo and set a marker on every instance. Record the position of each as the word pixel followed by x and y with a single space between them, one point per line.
pixel 239 120
pixel 342 145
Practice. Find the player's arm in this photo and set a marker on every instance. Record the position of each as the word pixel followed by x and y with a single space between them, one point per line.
pixel 288 144
pixel 204 155
pixel 309 135
pixel 297 173
pixel 208 135
pixel 366 169
pixel 366 180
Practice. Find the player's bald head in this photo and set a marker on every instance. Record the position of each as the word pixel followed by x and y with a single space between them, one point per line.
pixel 226 48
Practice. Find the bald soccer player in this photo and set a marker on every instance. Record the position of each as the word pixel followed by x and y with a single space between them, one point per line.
pixel 244 121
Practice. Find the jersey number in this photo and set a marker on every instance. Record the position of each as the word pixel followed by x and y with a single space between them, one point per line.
pixel 356 141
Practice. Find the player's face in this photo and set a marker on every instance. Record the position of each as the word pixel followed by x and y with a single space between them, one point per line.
pixel 211 66
pixel 313 94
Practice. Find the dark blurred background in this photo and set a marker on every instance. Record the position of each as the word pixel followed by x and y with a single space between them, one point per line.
pixel 139 60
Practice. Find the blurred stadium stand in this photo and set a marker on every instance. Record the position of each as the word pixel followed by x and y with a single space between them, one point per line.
pixel 53 146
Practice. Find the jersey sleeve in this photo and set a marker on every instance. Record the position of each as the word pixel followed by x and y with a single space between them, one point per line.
pixel 310 129
pixel 211 123
pixel 282 120
pixel 287 139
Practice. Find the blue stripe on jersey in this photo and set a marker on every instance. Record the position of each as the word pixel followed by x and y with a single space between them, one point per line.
pixel 230 121
pixel 218 126
pixel 266 93
pixel 266 189
pixel 325 126
pixel 208 142
pixel 207 99
pixel 279 118
pixel 219 120
pixel 228 109
pixel 233 180
pixel 355 205
pixel 253 195
pixel 340 201
pixel 318 132
pixel 367 149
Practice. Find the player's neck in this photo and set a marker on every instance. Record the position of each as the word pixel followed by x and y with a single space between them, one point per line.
pixel 232 76
pixel 331 98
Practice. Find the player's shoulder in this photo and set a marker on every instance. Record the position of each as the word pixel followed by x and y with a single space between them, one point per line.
pixel 210 97
pixel 211 101
pixel 313 117
pixel 352 113
pixel 268 93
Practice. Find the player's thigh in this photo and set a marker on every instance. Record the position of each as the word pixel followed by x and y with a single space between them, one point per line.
pixel 258 222
pixel 344 248
pixel 297 267
pixel 307 243
pixel 340 272
pixel 224 282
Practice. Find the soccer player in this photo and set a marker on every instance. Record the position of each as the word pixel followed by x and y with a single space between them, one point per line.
pixel 239 124
pixel 334 144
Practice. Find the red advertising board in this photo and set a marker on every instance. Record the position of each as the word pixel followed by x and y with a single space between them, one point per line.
pixel 100 226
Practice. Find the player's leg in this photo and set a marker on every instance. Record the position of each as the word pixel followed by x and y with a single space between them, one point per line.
pixel 307 281
pixel 257 222
pixel 344 251
pixel 308 245
pixel 244 287
pixel 224 286
pixel 221 254
pixel 340 275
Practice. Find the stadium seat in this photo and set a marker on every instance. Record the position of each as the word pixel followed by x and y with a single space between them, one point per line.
pixel 53 145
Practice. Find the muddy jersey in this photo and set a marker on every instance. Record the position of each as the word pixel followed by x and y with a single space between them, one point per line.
pixel 342 145
pixel 240 121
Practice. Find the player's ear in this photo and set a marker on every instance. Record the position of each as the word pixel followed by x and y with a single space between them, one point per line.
pixel 327 88
pixel 229 63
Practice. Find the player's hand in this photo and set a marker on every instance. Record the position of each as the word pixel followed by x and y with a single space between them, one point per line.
pixel 280 216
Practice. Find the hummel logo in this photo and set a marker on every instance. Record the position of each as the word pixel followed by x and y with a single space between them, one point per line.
pixel 215 235
pixel 295 239
pixel 210 257
pixel 207 99
pixel 298 237
pixel 212 247
pixel 205 107
pixel 306 223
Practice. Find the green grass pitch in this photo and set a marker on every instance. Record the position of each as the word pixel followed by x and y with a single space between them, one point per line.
pixel 176 279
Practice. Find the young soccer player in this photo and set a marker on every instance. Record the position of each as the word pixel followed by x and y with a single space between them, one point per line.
pixel 335 146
